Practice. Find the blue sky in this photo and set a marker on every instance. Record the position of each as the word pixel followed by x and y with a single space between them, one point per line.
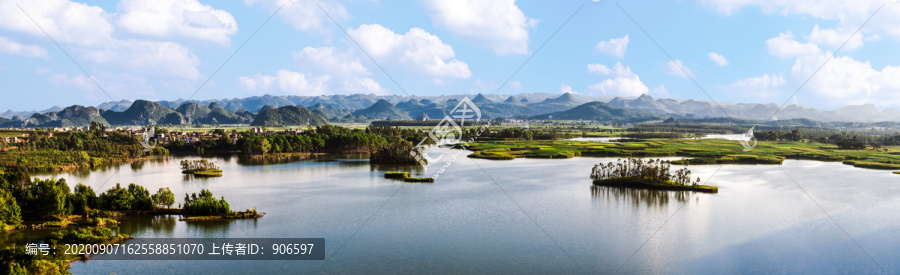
pixel 739 51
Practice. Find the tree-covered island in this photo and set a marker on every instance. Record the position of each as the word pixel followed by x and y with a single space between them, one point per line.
pixel 652 174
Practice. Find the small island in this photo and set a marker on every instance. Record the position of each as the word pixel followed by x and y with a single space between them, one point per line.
pixel 652 174
pixel 205 206
pixel 200 168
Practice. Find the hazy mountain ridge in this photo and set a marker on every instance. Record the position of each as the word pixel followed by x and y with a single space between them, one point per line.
pixel 362 108
pixel 382 110
pixel 601 111
pixel 287 116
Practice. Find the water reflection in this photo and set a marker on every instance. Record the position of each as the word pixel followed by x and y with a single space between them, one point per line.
pixel 637 196
pixel 137 165
pixel 164 226
pixel 208 228
pixel 414 169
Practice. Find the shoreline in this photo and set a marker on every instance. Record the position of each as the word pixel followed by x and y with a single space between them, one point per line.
pixel 638 184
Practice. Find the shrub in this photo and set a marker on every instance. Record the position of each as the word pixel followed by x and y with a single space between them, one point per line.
pixel 205 204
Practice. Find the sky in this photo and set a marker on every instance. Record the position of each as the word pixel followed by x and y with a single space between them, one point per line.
pixel 61 52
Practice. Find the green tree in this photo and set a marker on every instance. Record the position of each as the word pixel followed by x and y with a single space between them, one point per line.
pixel 164 197
pixel 264 145
pixel 205 204
pixel 10 213
pixel 83 199
pixel 117 198
pixel 142 199
pixel 49 197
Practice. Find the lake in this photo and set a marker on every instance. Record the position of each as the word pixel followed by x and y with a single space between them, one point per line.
pixel 471 219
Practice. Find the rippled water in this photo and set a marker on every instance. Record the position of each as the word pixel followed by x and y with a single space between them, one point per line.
pixel 472 218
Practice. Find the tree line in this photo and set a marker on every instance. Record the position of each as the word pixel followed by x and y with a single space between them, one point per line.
pixel 192 165
pixel 24 198
pixel 654 171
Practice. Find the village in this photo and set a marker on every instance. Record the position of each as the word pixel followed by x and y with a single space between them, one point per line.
pixel 188 137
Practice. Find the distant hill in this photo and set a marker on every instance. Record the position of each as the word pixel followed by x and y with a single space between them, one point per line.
pixel 367 107
pixel 287 116
pixel 219 115
pixel 599 111
pixel 193 112
pixel 75 115
pixel 426 108
pixel 382 110
pixel 119 106
pixel 332 114
pixel 481 99
pixel 566 98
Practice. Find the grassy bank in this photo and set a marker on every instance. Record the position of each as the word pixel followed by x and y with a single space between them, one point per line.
pixel 204 172
pixel 695 151
pixel 248 214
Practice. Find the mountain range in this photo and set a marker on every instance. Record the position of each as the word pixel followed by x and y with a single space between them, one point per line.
pixel 297 110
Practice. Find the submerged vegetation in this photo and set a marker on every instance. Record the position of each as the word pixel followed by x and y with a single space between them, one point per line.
pixel 396 175
pixel 650 174
pixel 405 176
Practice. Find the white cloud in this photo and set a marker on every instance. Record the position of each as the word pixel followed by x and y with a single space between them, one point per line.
pixel 845 80
pixel 842 81
pixel 613 47
pixel 341 67
pixel 78 81
pixel 304 15
pixel 168 18
pixel 88 33
pixel 362 85
pixel 416 51
pixel 834 38
pixel 499 24
pixel 718 58
pixel 824 9
pixel 566 89
pixel 621 86
pixel 515 85
pixel 331 60
pixel 848 14
pixel 674 67
pixel 257 82
pixel 8 46
pixel 785 46
pixel 623 81
pixel 603 70
pixel 286 81
pixel 117 85
pixel 660 91
pixel 147 57
pixel 65 21
pixel 765 86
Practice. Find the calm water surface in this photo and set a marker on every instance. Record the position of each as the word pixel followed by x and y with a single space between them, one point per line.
pixel 759 222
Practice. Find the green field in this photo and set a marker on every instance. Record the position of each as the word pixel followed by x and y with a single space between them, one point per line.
pixel 695 151
pixel 4 134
